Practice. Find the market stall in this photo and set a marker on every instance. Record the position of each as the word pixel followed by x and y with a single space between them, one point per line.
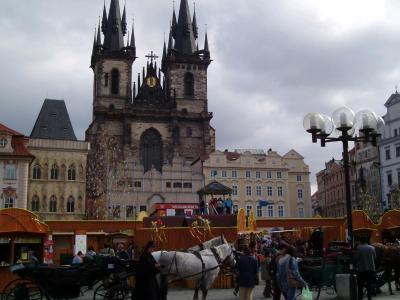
pixel 20 232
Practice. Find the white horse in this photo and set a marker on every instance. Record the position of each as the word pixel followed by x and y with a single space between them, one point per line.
pixel 219 240
pixel 203 267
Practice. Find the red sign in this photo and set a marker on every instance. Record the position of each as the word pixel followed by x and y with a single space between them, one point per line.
pixel 176 206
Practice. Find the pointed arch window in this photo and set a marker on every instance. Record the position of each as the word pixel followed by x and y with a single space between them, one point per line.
pixel 37 172
pixel 35 204
pixel 54 172
pixel 189 84
pixel 71 173
pixel 53 204
pixel 115 82
pixel 71 204
pixel 151 150
pixel 189 131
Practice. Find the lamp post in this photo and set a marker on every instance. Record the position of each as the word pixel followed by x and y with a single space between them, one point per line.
pixel 344 124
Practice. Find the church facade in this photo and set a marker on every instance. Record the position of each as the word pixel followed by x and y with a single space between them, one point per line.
pixel 144 135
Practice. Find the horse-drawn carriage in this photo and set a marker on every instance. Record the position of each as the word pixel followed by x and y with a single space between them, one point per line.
pixel 49 283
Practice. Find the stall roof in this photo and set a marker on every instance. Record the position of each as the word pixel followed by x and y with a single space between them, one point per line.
pixel 15 220
pixel 215 188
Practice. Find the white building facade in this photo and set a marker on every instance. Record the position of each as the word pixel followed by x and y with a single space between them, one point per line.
pixel 389 149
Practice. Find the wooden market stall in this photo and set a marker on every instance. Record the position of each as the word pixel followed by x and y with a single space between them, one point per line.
pixel 20 232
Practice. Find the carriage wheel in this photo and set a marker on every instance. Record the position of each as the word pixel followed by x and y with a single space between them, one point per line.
pixel 100 292
pixel 22 289
pixel 118 292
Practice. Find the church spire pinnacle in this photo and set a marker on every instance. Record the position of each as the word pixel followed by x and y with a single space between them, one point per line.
pixel 206 47
pixel 170 41
pixel 113 37
pixel 174 25
pixel 133 43
pixel 194 23
pixel 123 23
pixel 98 39
pixel 104 20
pixel 185 37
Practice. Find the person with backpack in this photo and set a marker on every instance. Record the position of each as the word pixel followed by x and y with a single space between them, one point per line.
pixel 272 269
pixel 265 273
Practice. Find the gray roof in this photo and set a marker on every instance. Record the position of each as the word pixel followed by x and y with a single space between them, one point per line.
pixel 185 37
pixel 393 99
pixel 53 122
pixel 114 29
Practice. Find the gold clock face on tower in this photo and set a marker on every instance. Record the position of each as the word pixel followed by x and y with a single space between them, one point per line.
pixel 151 81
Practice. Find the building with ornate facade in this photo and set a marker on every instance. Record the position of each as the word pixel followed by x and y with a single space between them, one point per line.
pixel 389 151
pixel 57 176
pixel 145 135
pixel 271 185
pixel 14 165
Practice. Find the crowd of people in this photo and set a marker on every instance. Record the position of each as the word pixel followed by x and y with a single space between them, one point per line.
pixel 217 206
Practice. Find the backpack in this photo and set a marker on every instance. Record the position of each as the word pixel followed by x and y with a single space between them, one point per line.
pixel 273 266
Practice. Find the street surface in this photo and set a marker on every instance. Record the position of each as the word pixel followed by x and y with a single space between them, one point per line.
pixel 227 294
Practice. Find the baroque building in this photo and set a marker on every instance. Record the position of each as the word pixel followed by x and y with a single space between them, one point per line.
pixel 271 185
pixel 145 134
pixel 14 165
pixel 57 176
pixel 389 151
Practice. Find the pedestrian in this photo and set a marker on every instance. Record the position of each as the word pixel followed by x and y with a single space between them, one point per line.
pixel 273 268
pixel 146 284
pixel 265 273
pixel 121 253
pixel 91 252
pixel 33 260
pixel 78 258
pixel 288 275
pixel 202 207
pixel 107 251
pixel 228 205
pixel 131 251
pixel 365 264
pixel 220 206
pixel 247 268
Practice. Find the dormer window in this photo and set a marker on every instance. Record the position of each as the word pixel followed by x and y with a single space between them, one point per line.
pixel 3 142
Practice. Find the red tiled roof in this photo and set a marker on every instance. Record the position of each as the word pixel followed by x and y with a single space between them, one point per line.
pixel 18 142
pixel 232 155
pixel 9 131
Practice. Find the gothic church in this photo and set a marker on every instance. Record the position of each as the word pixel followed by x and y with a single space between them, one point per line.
pixel 144 135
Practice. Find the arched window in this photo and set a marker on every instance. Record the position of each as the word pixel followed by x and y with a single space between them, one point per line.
pixel 37 172
pixel 71 204
pixel 189 131
pixel 54 173
pixel 53 204
pixel 115 82
pixel 71 173
pixel 35 204
pixel 151 150
pixel 189 84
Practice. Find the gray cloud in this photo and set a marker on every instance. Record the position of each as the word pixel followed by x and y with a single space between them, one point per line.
pixel 274 61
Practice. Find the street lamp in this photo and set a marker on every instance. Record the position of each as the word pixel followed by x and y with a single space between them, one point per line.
pixel 343 125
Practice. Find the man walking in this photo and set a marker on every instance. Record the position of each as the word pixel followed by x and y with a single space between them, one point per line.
pixel 365 262
pixel 248 270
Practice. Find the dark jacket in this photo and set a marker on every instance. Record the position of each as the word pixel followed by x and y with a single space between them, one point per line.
pixel 247 267
pixel 146 283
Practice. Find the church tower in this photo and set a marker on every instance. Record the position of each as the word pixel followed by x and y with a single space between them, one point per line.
pixel 112 61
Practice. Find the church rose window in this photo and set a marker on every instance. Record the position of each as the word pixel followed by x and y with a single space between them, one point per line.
pixel 189 84
pixel 151 150
pixel 115 82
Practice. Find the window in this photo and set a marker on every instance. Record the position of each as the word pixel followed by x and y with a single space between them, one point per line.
pixel 298 178
pixel 279 175
pixel 115 82
pixel 235 208
pixel 269 190
pixel 259 211
pixel 130 211
pixel 10 172
pixel 187 185
pixel 189 131
pixel 234 190
pixel 258 174
pixel 269 174
pixel 301 212
pixel 9 202
pixel 177 185
pixel 70 205
pixel 214 173
pixel 138 184
pixel 116 211
pixel 270 210
pixel 36 172
pixel 234 173
pixel 53 204
pixel 397 150
pixel 223 173
pixel 280 211
pixel 35 205
pixel 248 174
pixel 105 79
pixel 189 84
pixel 395 132
pixel 168 185
pixel 71 173
pixel 280 191
pixel 142 208
pixel 389 178
pixel 54 172
pixel 248 209
pixel 3 142
pixel 248 190
pixel 387 153
pixel 151 149
pixel 258 190
pixel 299 193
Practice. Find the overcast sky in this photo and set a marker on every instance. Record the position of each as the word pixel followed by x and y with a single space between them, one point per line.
pixel 274 61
